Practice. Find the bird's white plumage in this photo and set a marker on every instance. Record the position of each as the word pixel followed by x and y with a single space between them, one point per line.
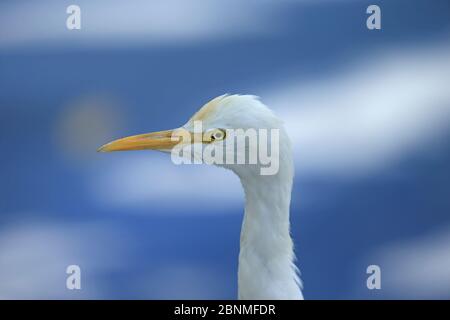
pixel 266 258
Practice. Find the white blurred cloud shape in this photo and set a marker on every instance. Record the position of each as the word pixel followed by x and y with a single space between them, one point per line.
pixel 116 21
pixel 34 257
pixel 361 121
pixel 417 269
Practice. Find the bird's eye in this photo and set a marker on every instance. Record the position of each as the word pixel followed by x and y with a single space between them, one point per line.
pixel 217 135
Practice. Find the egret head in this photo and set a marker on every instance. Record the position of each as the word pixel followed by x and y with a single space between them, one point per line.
pixel 234 131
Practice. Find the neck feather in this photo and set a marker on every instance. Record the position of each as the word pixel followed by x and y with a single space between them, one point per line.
pixel 266 258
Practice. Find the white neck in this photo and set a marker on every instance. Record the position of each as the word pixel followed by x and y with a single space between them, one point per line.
pixel 266 267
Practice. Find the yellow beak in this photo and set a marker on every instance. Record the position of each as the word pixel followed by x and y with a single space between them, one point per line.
pixel 161 140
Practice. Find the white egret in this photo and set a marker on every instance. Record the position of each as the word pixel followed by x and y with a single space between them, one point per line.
pixel 266 258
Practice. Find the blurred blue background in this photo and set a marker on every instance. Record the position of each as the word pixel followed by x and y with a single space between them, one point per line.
pixel 368 113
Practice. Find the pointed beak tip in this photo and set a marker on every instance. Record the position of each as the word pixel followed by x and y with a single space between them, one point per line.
pixel 103 148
